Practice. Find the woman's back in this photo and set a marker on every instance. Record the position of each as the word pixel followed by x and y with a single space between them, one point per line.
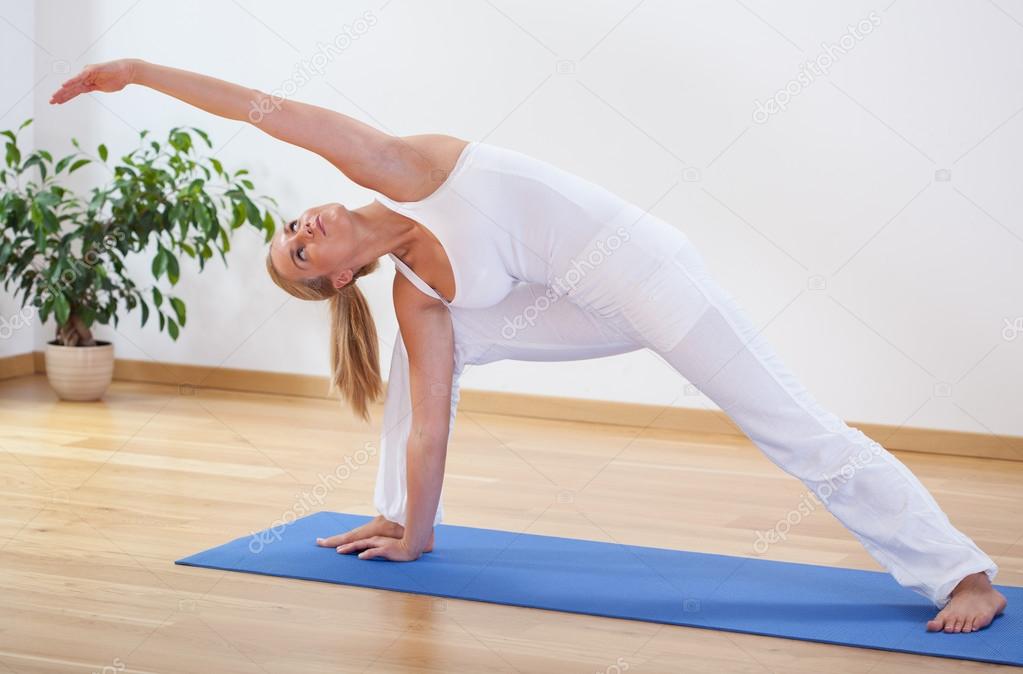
pixel 505 217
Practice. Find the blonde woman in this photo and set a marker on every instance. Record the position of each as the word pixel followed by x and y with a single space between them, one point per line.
pixel 502 255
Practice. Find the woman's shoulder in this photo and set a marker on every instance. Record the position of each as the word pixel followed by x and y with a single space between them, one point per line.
pixel 424 161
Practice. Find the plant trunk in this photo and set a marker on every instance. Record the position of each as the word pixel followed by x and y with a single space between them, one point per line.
pixel 75 332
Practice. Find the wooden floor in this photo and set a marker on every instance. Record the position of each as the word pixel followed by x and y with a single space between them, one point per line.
pixel 99 499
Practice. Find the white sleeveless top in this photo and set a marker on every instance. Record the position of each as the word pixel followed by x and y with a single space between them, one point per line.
pixel 504 217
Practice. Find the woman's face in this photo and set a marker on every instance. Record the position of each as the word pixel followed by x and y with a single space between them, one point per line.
pixel 315 245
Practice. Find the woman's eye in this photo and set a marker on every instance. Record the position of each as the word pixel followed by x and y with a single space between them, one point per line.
pixel 301 254
pixel 293 222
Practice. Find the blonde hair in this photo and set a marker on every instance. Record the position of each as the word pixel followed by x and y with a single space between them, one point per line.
pixel 354 359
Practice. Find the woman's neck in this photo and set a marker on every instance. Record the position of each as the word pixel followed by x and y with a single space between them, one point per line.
pixel 380 231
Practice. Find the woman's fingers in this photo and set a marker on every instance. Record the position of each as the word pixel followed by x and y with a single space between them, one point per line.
pixel 376 546
pixel 331 541
pixel 65 94
pixel 393 549
pixel 376 527
pixel 384 551
pixel 362 544
pixel 73 87
pixel 347 537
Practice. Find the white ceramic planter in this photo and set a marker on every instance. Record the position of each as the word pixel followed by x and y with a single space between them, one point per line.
pixel 80 372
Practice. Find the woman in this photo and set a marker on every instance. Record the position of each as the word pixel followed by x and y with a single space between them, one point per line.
pixel 504 256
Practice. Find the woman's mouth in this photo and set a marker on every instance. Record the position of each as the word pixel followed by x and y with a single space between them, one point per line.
pixel 320 225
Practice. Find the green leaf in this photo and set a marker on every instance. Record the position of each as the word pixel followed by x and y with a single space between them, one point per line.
pixel 145 313
pixel 173 271
pixel 180 140
pixel 238 218
pixel 79 164
pixel 157 296
pixel 37 162
pixel 160 263
pixel 63 311
pixel 47 199
pixel 13 155
pixel 25 123
pixel 36 213
pixel 179 309
pixel 253 214
pixel 172 328
pixel 217 166
pixel 202 215
pixel 268 224
pixel 102 149
pixel 63 163
pixel 202 134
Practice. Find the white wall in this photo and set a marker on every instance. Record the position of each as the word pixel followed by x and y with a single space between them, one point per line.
pixel 17 56
pixel 884 286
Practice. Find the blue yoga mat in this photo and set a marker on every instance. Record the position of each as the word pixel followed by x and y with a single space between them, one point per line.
pixel 738 594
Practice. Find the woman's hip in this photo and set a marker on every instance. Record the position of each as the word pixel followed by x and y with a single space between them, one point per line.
pixel 645 279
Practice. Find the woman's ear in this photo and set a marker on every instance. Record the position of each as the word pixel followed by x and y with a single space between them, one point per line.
pixel 341 278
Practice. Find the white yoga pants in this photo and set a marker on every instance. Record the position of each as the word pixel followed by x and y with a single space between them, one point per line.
pixel 673 306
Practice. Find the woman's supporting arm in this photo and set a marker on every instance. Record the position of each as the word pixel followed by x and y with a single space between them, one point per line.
pixel 425 326
pixel 390 492
pixel 369 157
pixel 426 330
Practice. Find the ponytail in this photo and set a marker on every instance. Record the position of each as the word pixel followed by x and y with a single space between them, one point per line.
pixel 354 358
pixel 354 350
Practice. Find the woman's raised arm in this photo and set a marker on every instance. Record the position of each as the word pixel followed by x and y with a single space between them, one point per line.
pixel 366 155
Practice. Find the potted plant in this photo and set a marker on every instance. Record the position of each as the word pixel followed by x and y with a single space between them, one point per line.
pixel 66 253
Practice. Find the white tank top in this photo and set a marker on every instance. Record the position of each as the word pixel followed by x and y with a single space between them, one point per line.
pixel 504 217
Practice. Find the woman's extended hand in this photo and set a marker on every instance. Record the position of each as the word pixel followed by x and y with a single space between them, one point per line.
pixel 377 528
pixel 394 549
pixel 107 77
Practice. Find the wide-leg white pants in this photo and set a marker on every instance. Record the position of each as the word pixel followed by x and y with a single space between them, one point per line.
pixel 673 306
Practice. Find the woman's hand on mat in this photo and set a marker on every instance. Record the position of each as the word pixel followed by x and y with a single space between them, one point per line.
pixel 107 77
pixel 394 549
pixel 379 526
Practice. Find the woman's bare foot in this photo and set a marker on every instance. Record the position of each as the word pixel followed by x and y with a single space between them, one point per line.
pixel 973 606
